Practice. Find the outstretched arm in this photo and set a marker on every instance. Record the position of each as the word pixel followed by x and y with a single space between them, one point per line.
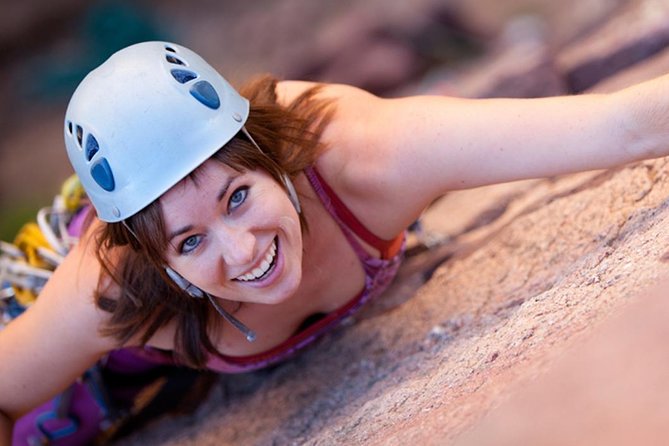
pixel 403 153
pixel 478 142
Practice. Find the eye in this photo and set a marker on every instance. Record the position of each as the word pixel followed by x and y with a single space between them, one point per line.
pixel 189 244
pixel 238 197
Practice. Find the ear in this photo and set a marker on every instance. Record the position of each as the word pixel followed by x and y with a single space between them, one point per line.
pixel 182 283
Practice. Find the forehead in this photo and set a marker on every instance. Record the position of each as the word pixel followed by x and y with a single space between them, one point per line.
pixel 204 182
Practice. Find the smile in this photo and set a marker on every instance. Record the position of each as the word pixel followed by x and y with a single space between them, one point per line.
pixel 265 267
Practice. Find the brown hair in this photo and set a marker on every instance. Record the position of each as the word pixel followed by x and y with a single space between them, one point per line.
pixel 290 137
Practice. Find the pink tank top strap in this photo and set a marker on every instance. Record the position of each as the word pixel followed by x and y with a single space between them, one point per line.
pixel 341 213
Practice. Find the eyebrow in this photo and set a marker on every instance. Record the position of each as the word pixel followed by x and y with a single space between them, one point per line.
pixel 226 186
pixel 179 232
pixel 219 197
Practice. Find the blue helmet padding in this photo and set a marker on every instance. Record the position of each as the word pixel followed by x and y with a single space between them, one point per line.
pixel 92 147
pixel 102 174
pixel 205 93
pixel 183 76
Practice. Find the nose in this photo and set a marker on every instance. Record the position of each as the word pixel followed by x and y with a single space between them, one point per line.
pixel 237 246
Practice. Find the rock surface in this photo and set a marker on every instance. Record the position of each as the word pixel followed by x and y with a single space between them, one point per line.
pixel 609 390
pixel 638 32
pixel 530 323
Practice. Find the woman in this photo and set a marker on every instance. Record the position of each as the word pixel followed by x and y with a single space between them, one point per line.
pixel 233 238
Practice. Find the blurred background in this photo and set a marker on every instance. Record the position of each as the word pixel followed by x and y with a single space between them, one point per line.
pixel 390 47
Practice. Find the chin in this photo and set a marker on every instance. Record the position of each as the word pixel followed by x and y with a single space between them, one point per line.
pixel 288 288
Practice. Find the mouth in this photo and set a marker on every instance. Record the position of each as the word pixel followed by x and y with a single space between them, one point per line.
pixel 265 268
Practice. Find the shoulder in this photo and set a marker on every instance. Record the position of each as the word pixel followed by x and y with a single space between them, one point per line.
pixel 71 296
pixel 353 125
pixel 352 133
pixel 76 282
pixel 357 163
pixel 353 105
pixel 288 90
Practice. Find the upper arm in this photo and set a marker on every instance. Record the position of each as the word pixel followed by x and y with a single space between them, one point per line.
pixel 393 157
pixel 55 340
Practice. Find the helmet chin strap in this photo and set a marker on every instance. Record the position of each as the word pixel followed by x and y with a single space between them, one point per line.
pixel 249 334
pixel 285 179
pixel 198 293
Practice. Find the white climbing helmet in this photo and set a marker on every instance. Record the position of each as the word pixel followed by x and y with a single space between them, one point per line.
pixel 145 119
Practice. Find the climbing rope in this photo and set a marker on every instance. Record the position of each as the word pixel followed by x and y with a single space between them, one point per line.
pixel 38 248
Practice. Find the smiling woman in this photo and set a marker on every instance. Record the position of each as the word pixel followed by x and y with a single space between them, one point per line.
pixel 202 226
pixel 228 230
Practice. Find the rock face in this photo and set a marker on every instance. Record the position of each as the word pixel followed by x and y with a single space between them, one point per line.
pixel 531 322
pixel 527 272
pixel 607 391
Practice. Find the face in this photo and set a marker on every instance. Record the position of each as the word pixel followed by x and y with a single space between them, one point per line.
pixel 234 234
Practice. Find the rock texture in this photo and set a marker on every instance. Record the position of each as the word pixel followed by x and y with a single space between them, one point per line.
pixel 530 322
pixel 636 33
pixel 609 390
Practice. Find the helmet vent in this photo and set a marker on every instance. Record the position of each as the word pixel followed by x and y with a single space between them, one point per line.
pixel 183 76
pixel 92 147
pixel 102 174
pixel 173 60
pixel 69 127
pixel 80 135
pixel 170 49
pixel 204 92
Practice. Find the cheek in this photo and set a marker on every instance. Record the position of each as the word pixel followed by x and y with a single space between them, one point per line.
pixel 197 269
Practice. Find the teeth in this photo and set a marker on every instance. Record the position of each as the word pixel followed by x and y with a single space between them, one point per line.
pixel 264 265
